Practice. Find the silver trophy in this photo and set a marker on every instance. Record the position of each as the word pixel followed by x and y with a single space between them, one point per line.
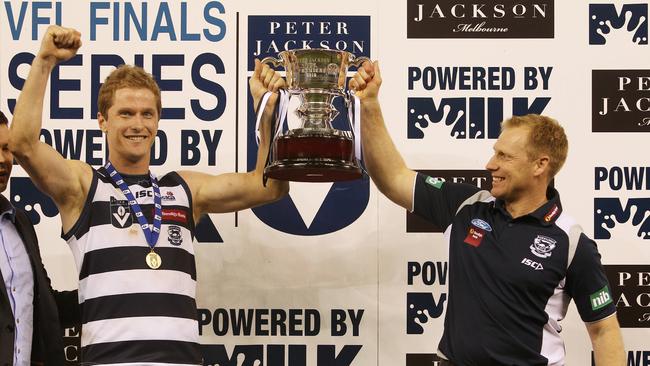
pixel 315 152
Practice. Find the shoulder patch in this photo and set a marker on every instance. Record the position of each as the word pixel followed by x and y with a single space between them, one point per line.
pixel 434 182
pixel 600 298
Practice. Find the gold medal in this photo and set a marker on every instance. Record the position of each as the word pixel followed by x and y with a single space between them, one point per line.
pixel 153 260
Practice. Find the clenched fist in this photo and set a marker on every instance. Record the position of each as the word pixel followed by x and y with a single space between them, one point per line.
pixel 59 44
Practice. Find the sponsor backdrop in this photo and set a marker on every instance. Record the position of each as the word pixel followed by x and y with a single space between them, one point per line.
pixel 335 274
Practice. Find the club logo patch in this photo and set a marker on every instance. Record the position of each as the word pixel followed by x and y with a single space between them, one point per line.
pixel 174 235
pixel 120 213
pixel 543 246
pixel 168 196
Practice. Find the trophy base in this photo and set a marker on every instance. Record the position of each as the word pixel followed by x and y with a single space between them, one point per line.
pixel 314 155
pixel 313 171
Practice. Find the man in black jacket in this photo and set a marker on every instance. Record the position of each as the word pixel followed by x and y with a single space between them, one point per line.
pixel 30 328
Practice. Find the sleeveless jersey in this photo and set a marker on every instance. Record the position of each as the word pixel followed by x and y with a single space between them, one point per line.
pixel 132 314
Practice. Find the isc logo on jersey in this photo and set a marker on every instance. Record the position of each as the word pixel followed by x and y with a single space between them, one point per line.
pixel 532 264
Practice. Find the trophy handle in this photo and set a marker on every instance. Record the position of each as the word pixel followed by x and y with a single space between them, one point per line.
pixel 275 62
pixel 358 61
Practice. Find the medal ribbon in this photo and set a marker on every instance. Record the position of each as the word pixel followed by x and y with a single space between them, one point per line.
pixel 276 127
pixel 151 232
pixel 281 113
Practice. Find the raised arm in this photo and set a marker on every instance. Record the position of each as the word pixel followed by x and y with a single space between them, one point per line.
pixel 607 342
pixel 383 162
pixel 237 191
pixel 65 181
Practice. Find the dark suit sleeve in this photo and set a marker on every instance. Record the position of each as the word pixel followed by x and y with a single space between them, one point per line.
pixel 67 302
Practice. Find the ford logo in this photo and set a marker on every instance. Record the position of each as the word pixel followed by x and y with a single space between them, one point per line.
pixel 481 224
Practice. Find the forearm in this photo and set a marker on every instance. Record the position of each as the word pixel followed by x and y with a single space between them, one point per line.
pixel 28 114
pixel 609 351
pixel 607 343
pixel 381 158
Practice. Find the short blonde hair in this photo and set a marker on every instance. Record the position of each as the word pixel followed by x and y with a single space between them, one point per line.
pixel 545 136
pixel 126 76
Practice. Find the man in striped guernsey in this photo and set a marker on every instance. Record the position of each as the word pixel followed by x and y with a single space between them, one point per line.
pixel 137 293
pixel 515 258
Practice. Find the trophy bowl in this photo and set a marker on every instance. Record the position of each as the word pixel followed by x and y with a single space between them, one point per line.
pixel 315 152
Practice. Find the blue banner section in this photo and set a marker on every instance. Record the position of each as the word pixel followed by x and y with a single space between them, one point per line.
pixel 270 35
pixel 608 212
pixel 457 112
pixel 604 18
pixel 27 197
pixel 275 354
pixel 206 232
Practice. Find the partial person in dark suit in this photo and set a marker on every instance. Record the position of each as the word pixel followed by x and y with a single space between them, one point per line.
pixel 31 313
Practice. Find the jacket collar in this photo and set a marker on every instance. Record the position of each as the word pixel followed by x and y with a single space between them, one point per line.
pixel 6 208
